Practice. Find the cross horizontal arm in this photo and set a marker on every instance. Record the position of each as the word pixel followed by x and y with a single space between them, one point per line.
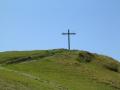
pixel 64 33
pixel 69 33
pixel 72 33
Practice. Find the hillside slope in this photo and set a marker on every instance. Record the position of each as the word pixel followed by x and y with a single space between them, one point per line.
pixel 58 70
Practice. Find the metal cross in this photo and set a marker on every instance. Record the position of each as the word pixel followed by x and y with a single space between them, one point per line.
pixel 69 41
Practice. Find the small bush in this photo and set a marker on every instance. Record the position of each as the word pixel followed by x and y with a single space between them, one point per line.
pixel 112 66
pixel 18 60
pixel 85 57
pixel 28 58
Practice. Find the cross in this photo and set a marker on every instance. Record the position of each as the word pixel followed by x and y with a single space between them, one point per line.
pixel 69 34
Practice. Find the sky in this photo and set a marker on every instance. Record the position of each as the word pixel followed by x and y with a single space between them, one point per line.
pixel 38 24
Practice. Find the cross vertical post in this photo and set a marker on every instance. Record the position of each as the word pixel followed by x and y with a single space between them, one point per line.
pixel 69 39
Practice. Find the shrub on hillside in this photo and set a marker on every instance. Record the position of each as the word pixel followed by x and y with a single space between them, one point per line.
pixel 112 66
pixel 85 57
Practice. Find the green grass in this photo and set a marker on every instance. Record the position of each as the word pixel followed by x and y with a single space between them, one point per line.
pixel 58 70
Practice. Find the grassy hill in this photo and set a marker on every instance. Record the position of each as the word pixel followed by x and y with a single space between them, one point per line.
pixel 58 69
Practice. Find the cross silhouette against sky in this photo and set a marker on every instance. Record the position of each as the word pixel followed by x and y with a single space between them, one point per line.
pixel 69 39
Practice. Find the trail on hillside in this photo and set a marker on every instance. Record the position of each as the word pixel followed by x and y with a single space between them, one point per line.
pixel 54 85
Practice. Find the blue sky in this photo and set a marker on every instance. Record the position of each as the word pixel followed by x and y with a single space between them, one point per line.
pixel 38 24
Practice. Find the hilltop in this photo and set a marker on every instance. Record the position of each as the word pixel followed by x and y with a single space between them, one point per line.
pixel 58 69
